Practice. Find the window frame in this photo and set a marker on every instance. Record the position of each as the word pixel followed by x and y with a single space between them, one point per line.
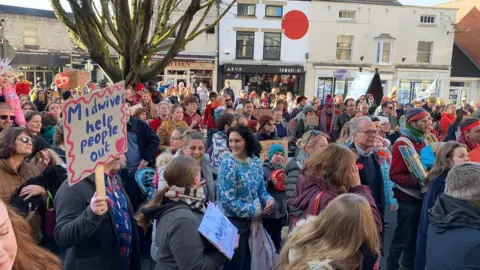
pixel 427 16
pixel 346 11
pixel 25 36
pixel 236 44
pixel 351 48
pixel 273 6
pixel 379 52
pixel 265 46
pixel 247 5
pixel 429 53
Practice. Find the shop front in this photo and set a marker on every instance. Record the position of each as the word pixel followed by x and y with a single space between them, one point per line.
pixel 417 84
pixel 262 78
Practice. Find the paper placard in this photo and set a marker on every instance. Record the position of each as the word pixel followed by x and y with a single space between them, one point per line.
pixel 219 230
pixel 312 120
pixel 78 78
pixel 266 146
pixel 259 112
pixel 95 130
pixel 360 85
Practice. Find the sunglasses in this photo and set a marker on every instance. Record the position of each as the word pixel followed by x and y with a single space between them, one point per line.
pixel 228 100
pixel 391 108
pixel 26 140
pixel 5 117
pixel 314 132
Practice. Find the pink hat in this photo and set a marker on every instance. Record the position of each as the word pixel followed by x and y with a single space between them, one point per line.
pixel 328 100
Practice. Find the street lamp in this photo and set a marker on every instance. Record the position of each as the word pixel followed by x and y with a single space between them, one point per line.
pixel 89 66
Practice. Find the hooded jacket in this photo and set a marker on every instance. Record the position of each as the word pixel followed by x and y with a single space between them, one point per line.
pixel 310 184
pixel 453 240
pixel 293 170
pixel 180 245
pixel 11 98
pixel 280 207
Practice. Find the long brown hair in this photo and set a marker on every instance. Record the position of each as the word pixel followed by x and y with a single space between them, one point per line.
pixel 179 172
pixel 7 143
pixel 29 255
pixel 337 234
pixel 332 165
pixel 443 161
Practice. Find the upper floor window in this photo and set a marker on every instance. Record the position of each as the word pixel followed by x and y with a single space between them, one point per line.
pixel 347 15
pixel 427 19
pixel 424 52
pixel 245 45
pixel 245 10
pixel 384 52
pixel 272 46
pixel 274 11
pixel 30 34
pixel 344 48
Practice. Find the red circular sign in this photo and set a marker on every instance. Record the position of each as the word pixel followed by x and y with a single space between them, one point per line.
pixel 295 24
pixel 61 80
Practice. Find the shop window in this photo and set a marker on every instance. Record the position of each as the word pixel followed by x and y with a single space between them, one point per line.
pixel 346 15
pixel 272 46
pixel 245 45
pixel 344 48
pixel 427 19
pixel 30 34
pixel 245 10
pixel 384 52
pixel 274 11
pixel 424 52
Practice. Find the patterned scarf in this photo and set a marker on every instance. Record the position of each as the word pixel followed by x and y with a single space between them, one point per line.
pixel 413 133
pixel 193 197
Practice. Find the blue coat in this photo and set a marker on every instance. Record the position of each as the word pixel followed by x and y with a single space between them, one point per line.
pixel 434 190
pixel 453 240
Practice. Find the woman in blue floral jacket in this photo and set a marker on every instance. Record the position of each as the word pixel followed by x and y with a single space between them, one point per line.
pixel 241 190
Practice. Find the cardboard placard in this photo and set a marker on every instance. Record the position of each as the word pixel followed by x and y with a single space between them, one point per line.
pixel 259 112
pixel 78 78
pixel 219 230
pixel 312 120
pixel 95 131
pixel 266 146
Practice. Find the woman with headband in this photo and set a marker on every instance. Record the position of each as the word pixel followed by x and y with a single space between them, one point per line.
pixel 470 136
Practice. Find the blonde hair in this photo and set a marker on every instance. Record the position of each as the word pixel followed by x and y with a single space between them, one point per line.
pixel 345 134
pixel 333 165
pixel 54 158
pixel 179 172
pixel 310 139
pixel 337 235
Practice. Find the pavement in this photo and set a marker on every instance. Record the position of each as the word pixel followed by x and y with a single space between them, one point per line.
pixel 390 217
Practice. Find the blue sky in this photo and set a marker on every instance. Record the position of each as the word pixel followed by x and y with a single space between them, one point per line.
pixel 45 4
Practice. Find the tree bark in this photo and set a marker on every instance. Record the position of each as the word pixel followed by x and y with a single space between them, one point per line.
pixel 123 29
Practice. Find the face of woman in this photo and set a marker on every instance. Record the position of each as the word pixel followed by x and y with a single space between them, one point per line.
pixel 318 145
pixel 460 155
pixel 55 110
pixel 35 124
pixel 128 95
pixel 146 98
pixel 27 108
pixel 236 143
pixel 178 115
pixel 23 144
pixel 385 127
pixel 176 140
pixel 195 149
pixel 8 241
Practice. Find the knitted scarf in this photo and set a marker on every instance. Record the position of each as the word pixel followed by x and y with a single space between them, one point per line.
pixel 413 133
pixel 323 122
pixel 193 197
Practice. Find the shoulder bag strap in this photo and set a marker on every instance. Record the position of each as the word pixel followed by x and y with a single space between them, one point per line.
pixel 316 204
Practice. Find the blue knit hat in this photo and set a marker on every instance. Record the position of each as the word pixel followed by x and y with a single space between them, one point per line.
pixel 274 148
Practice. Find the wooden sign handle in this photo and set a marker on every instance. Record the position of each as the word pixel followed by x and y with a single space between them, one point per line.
pixel 100 182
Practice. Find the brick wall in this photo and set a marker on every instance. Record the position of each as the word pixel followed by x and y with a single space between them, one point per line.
pixel 52 35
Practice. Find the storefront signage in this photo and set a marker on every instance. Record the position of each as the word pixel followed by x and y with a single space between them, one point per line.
pixel 341 74
pixel 263 69
pixel 190 65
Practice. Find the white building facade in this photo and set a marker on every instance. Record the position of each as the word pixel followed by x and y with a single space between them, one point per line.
pixel 410 46
pixel 263 44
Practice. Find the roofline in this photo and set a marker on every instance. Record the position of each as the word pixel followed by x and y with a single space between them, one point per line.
pixel 7 9
pixel 378 4
pixel 469 58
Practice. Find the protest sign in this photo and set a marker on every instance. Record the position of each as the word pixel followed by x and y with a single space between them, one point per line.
pixel 95 131
pixel 78 78
pixel 267 144
pixel 412 160
pixel 259 112
pixel 219 230
pixel 360 85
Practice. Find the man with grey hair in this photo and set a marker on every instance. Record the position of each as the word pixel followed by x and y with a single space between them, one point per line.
pixel 364 133
pixel 239 101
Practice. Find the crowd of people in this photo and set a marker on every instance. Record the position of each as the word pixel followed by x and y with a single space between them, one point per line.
pixel 347 163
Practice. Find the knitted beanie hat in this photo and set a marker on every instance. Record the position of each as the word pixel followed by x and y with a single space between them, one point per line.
pixel 328 100
pixel 275 148
pixel 415 114
pixel 462 182
pixel 307 109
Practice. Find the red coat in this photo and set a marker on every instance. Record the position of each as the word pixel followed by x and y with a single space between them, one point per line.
pixel 207 116
pixel 446 120
pixel 22 88
pixel 156 123
pixel 399 172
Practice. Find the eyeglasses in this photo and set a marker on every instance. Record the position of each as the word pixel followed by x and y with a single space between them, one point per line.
pixel 386 124
pixel 228 99
pixel 5 117
pixel 176 138
pixel 391 108
pixel 369 132
pixel 26 140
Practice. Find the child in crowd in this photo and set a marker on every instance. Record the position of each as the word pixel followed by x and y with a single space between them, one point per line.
pixel 220 107
pixel 274 176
